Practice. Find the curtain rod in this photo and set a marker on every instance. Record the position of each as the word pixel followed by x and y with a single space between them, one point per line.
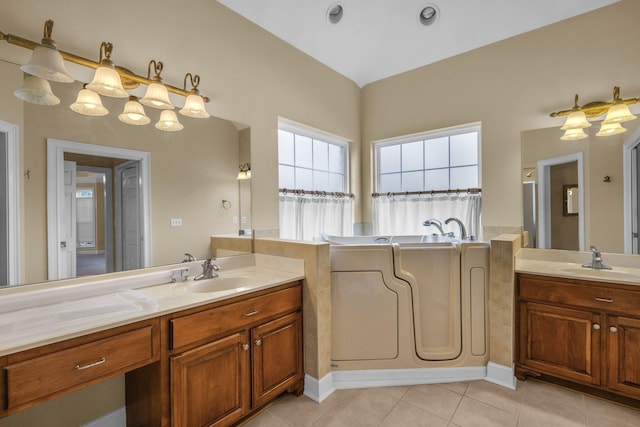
pixel 315 193
pixel 430 192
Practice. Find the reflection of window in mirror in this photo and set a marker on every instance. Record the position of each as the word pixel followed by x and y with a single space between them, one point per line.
pixel 570 202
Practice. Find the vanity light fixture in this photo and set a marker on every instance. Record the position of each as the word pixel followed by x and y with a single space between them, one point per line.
pixel 169 121
pixel 157 95
pixel 46 61
pixel 194 104
pixel 106 81
pixel 133 113
pixel 617 112
pixel 245 171
pixel 36 91
pixel 89 103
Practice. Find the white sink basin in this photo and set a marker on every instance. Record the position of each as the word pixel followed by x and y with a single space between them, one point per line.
pixel 222 283
pixel 66 315
pixel 602 274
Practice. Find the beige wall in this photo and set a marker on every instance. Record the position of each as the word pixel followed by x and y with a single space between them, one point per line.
pixel 509 86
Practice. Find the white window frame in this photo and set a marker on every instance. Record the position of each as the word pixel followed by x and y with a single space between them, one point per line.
pixel 437 133
pixel 313 133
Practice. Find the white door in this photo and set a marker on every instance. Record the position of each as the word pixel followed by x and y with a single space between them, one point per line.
pixel 67 224
pixel 129 216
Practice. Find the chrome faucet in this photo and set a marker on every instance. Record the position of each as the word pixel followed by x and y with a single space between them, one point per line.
pixel 436 223
pixel 596 261
pixel 463 231
pixel 189 258
pixel 209 270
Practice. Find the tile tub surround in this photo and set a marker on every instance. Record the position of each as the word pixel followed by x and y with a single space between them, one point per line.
pixel 477 403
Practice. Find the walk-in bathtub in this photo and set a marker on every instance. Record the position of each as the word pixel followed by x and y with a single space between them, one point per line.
pixel 407 302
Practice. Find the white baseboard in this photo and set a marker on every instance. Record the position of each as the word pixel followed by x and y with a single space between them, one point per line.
pixel 395 377
pixel 501 375
pixel 318 390
pixel 117 418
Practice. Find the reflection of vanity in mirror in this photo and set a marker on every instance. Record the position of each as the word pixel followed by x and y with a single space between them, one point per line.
pixel 586 182
pixel 192 191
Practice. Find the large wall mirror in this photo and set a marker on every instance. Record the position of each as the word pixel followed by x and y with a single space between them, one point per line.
pixel 190 190
pixel 602 170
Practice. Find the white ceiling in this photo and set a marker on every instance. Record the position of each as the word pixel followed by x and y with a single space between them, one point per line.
pixel 380 38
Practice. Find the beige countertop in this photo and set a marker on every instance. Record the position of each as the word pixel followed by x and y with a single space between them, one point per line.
pixel 560 263
pixel 40 314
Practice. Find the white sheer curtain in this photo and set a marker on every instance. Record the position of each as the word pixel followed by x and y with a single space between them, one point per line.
pixel 306 217
pixel 402 215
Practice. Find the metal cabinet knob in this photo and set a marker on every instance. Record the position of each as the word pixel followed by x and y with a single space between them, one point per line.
pixel 258 342
pixel 613 329
pixel 245 347
pixel 596 326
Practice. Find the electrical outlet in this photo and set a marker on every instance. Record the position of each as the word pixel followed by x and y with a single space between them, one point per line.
pixel 235 219
pixel 244 219
pixel 176 222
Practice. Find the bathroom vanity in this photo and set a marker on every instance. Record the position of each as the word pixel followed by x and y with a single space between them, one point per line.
pixel 579 327
pixel 200 357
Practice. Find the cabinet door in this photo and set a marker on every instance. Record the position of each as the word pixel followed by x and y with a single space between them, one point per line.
pixel 561 342
pixel 623 338
pixel 210 384
pixel 277 357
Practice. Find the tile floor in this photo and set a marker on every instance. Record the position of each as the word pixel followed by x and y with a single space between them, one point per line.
pixel 476 403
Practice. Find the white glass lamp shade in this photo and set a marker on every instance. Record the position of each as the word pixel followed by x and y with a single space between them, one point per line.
pixel 573 134
pixel 47 63
pixel 169 122
pixel 157 96
pixel 194 107
pixel 576 120
pixel 36 91
pixel 610 129
pixel 618 113
pixel 89 104
pixel 106 81
pixel 133 114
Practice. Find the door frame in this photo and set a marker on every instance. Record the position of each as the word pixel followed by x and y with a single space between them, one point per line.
pixel 13 200
pixel 544 198
pixel 55 160
pixel 628 189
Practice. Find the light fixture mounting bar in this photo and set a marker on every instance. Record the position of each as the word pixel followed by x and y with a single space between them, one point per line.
pixel 597 108
pixel 67 56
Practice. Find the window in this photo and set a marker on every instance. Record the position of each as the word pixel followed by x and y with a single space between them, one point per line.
pixel 438 160
pixel 312 161
pixel 309 160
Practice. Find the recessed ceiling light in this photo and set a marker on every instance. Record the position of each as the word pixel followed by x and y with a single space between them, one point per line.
pixel 334 13
pixel 429 14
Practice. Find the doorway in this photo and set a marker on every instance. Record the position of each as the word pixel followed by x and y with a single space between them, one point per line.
pixel 9 205
pixel 559 227
pixel 98 215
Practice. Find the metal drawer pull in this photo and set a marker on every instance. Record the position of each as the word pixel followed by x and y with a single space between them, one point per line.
pixel 613 329
pixel 251 313
pixel 604 299
pixel 258 342
pixel 596 326
pixel 90 365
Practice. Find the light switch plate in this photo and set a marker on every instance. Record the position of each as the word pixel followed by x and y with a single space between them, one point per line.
pixel 176 222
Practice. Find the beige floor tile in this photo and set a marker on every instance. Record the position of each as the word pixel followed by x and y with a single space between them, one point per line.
pixel 459 387
pixel 602 408
pixel 362 407
pixel 302 411
pixel 266 419
pixel 596 420
pixel 472 413
pixel 538 393
pixel 495 395
pixel 551 414
pixel 433 398
pixel 406 415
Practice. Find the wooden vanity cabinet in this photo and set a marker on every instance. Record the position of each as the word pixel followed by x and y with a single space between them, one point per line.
pixel 227 360
pixel 584 332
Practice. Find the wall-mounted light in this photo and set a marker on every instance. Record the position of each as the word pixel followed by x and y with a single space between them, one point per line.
pixel 194 104
pixel 245 171
pixel 36 91
pixel 169 121
pixel 89 103
pixel 157 95
pixel 46 61
pixel 106 81
pixel 133 113
pixel 617 112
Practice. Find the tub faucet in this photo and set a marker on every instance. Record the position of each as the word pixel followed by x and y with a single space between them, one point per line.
pixel 463 231
pixel 209 270
pixel 596 261
pixel 436 223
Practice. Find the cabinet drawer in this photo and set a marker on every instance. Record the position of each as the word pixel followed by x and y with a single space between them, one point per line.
pixel 45 375
pixel 208 324
pixel 581 294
